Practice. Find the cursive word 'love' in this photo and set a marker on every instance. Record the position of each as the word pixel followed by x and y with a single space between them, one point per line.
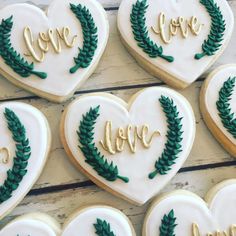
pixel 129 135
pixel 37 48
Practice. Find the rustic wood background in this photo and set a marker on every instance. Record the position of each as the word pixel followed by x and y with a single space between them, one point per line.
pixel 62 189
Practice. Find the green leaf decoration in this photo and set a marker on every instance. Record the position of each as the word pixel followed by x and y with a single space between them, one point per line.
pixel 11 57
pixel 216 36
pixel 168 224
pixel 140 32
pixel 103 228
pixel 22 155
pixel 86 54
pixel 227 116
pixel 87 146
pixel 174 137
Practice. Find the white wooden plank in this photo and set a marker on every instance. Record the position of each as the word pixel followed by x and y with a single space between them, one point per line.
pixel 206 150
pixel 61 204
pixel 117 67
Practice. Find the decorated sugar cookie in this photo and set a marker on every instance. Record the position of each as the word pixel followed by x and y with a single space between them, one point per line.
pixel 98 221
pixel 184 213
pixel 92 221
pixel 175 40
pixel 134 149
pixel 217 102
pixel 35 224
pixel 51 54
pixel 24 146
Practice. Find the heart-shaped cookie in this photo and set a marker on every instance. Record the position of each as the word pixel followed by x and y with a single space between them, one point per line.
pixel 184 213
pixel 93 221
pixel 217 103
pixel 51 54
pixel 25 137
pixel 175 40
pixel 132 149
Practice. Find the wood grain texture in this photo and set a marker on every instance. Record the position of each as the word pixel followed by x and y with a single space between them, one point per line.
pixel 61 189
pixel 61 204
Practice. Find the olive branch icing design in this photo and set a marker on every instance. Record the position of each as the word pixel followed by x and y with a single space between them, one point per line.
pixel 90 37
pixel 22 155
pixel 223 106
pixel 11 57
pixel 93 157
pixel 174 138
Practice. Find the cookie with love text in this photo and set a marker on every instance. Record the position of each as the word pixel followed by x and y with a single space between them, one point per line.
pixel 175 40
pixel 24 147
pixel 130 149
pixel 93 221
pixel 52 53
pixel 184 213
pixel 218 105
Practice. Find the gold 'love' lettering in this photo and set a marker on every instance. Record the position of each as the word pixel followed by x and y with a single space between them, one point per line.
pixel 5 155
pixel 167 31
pixel 129 135
pixel 38 48
pixel 231 232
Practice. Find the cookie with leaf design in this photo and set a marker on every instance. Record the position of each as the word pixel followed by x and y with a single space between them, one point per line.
pixel 52 53
pixel 24 147
pixel 130 149
pixel 97 220
pixel 175 40
pixel 184 213
pixel 217 103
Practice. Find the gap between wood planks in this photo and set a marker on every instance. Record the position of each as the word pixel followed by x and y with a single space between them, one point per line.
pixel 58 188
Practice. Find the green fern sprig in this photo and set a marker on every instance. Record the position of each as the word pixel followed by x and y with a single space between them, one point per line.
pixel 218 26
pixel 103 228
pixel 86 54
pixel 168 224
pixel 140 32
pixel 22 155
pixel 174 137
pixel 227 116
pixel 11 57
pixel 93 157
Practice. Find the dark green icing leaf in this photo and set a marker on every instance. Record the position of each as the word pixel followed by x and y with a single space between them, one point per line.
pixel 11 57
pixel 86 54
pixel 227 116
pixel 216 36
pixel 168 224
pixel 174 137
pixel 140 32
pixel 91 153
pixel 22 155
pixel 103 228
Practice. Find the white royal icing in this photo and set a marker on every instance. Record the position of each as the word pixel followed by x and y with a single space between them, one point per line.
pixel 27 227
pixel 39 140
pixel 145 109
pixel 216 215
pixel 185 67
pixel 212 96
pixel 60 82
pixel 222 205
pixel 83 222
pixel 188 209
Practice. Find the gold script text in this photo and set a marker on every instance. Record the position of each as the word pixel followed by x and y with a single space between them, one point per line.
pixel 38 48
pixel 168 30
pixel 129 135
